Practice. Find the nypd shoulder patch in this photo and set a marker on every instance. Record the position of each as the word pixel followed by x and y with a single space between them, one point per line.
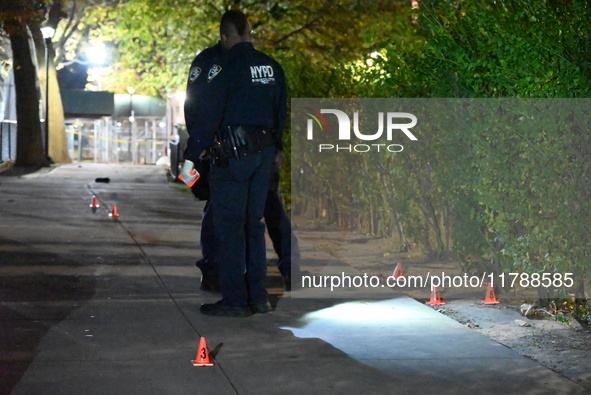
pixel 213 72
pixel 194 73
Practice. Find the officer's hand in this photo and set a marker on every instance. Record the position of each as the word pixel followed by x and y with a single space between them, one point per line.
pixel 188 173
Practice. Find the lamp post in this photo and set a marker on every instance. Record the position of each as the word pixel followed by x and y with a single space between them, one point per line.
pixel 132 150
pixel 47 35
pixel 131 91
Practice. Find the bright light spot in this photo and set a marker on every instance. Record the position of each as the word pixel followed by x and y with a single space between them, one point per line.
pixel 130 90
pixel 47 32
pixel 374 55
pixel 178 97
pixel 97 55
pixel 374 312
pixel 384 334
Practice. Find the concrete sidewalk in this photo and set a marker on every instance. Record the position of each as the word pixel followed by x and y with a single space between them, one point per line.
pixel 91 304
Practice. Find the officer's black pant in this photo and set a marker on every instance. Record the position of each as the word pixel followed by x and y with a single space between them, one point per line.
pixel 207 238
pixel 238 195
pixel 279 227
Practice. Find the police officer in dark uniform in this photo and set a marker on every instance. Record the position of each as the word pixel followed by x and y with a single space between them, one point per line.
pixel 196 99
pixel 239 116
pixel 277 221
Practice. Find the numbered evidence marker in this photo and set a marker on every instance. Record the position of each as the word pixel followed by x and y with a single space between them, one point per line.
pixel 435 298
pixel 490 298
pixel 202 358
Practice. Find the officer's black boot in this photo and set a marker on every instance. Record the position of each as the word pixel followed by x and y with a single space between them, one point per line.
pixel 288 270
pixel 209 277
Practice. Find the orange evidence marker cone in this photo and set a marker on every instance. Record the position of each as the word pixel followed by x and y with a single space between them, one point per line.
pixel 202 357
pixel 94 203
pixel 435 298
pixel 190 184
pixel 114 212
pixel 397 271
pixel 490 298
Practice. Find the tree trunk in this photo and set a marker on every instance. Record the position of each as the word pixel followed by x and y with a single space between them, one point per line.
pixel 58 148
pixel 58 144
pixel 389 186
pixel 448 229
pixel 29 143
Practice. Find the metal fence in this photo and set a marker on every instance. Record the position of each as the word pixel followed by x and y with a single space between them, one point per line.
pixel 177 147
pixel 110 141
pixel 105 140
pixel 7 140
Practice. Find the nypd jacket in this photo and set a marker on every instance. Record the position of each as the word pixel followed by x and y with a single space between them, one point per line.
pixel 242 87
pixel 198 93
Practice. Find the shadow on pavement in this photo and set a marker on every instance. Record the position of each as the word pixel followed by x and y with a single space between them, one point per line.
pixel 31 302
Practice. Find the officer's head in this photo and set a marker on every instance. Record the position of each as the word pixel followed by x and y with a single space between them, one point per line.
pixel 234 28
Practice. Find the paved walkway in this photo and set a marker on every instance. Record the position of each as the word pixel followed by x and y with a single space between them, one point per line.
pixel 91 304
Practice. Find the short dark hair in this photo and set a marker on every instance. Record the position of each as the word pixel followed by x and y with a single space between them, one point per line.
pixel 233 18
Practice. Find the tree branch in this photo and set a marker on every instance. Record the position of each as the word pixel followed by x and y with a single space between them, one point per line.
pixel 297 31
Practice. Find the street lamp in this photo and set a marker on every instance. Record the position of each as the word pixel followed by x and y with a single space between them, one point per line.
pixel 47 35
pixel 131 91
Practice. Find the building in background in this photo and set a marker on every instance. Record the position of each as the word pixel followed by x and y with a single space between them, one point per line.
pixel 116 128
pixel 105 127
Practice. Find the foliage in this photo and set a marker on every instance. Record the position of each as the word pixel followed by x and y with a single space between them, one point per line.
pixel 501 198
pixel 156 40
pixel 583 313
pixel 77 30
pixel 527 185
pixel 16 15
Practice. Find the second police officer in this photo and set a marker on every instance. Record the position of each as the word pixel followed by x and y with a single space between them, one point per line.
pixel 238 116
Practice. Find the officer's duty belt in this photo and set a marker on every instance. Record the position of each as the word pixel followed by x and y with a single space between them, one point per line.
pixel 240 141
